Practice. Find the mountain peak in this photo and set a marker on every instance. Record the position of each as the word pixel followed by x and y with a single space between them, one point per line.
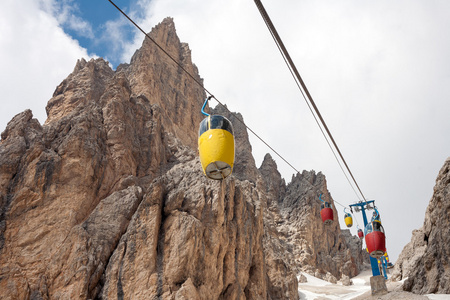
pixel 108 197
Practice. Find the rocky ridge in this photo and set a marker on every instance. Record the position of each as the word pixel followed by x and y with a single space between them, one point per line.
pixel 107 199
pixel 425 260
pixel 323 251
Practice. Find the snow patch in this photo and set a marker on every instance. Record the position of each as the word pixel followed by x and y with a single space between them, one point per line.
pixel 316 288
pixel 438 296
pixel 314 280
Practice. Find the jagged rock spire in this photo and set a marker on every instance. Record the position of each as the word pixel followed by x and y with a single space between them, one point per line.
pixel 108 200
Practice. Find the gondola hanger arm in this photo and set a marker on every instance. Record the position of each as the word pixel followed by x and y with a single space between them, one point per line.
pixel 204 105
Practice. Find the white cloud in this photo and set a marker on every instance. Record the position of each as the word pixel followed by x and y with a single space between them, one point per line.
pixel 65 13
pixel 114 35
pixel 36 56
pixel 82 27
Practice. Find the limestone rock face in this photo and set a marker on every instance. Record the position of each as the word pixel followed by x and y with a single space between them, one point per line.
pixel 107 199
pixel 154 76
pixel 276 186
pixel 425 261
pixel 202 244
pixel 293 224
pixel 320 249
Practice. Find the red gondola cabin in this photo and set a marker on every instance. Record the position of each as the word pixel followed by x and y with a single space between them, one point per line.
pixel 375 239
pixel 326 212
pixel 360 234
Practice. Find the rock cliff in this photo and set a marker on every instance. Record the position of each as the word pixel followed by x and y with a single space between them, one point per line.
pixel 323 251
pixel 107 199
pixel 425 261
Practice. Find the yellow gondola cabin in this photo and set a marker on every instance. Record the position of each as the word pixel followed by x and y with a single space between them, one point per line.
pixel 216 146
pixel 348 220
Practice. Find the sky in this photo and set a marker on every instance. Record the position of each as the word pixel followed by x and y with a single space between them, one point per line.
pixel 379 72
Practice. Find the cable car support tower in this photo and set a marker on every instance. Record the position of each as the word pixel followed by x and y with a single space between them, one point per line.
pixel 362 206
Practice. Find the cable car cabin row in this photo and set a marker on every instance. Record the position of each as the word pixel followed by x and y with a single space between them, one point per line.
pixel 326 213
pixel 216 147
pixel 375 239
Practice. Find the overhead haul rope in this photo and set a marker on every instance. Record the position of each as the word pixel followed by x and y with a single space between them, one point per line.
pixel 320 198
pixel 309 106
pixel 339 204
pixel 212 96
pixel 200 84
pixel 303 88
